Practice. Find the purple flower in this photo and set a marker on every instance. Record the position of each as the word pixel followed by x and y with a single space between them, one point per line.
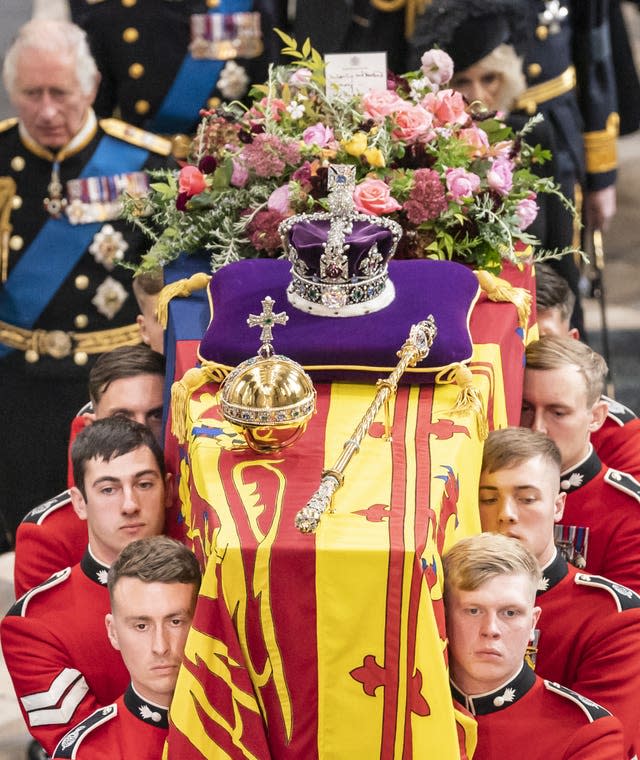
pixel 181 201
pixel 526 211
pixel 500 176
pixel 461 183
pixel 318 134
pixel 207 164
pixel 240 174
pixel 303 174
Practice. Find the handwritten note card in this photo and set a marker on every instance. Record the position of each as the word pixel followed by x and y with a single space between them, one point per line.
pixel 351 74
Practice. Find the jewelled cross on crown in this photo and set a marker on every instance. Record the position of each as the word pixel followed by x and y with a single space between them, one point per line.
pixel 267 320
pixel 334 262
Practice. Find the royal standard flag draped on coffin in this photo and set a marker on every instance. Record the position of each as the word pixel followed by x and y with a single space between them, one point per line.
pixel 332 645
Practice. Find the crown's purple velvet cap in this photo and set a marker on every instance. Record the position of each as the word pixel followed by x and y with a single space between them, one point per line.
pixel 308 238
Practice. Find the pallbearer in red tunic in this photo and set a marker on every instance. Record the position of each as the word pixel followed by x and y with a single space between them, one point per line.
pixel 54 639
pixel 588 631
pixel 600 527
pixel 489 594
pixel 153 587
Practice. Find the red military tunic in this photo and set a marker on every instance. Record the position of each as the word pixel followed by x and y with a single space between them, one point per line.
pixel 130 729
pixel 618 440
pixel 600 529
pixel 59 657
pixel 531 719
pixel 49 538
pixel 588 640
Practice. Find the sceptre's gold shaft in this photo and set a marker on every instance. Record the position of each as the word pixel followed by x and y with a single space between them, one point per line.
pixel 414 349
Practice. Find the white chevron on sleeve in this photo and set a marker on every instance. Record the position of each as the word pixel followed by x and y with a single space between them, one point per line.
pixel 48 707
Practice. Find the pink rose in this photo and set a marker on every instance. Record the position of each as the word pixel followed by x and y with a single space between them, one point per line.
pixel 191 181
pixel 279 200
pixel 461 183
pixel 240 174
pixel 447 107
pixel 526 211
pixel 377 104
pixel 373 196
pixel 437 66
pixel 500 176
pixel 413 124
pixel 476 138
pixel 318 134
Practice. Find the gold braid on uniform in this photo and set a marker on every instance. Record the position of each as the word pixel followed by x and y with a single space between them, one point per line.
pixel 601 146
pixel 414 7
pixel 7 193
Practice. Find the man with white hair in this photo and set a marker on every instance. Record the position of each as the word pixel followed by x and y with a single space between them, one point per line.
pixel 63 297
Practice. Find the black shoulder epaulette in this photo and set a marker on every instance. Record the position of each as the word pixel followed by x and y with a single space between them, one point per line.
pixel 624 597
pixel 618 412
pixel 42 511
pixel 591 709
pixel 7 123
pixel 68 745
pixel 623 482
pixel 136 136
pixel 19 608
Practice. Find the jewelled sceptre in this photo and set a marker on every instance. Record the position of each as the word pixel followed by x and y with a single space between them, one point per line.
pixel 414 349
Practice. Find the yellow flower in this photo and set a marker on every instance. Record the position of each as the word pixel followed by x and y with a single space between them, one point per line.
pixel 357 145
pixel 374 157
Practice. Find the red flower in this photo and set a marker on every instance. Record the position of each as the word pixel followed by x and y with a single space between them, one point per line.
pixel 263 230
pixel 191 181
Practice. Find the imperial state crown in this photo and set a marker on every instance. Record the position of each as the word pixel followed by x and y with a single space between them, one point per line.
pixel 339 258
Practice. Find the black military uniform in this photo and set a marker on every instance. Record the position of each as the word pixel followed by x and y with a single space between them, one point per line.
pixel 63 298
pixel 148 73
pixel 335 26
pixel 571 81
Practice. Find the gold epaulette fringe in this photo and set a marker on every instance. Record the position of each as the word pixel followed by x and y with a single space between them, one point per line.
pixel 501 291
pixel 136 136
pixel 8 123
pixel 179 289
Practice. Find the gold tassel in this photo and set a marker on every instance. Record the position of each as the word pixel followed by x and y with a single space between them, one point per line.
pixel 469 398
pixel 180 288
pixel 183 389
pixel 500 290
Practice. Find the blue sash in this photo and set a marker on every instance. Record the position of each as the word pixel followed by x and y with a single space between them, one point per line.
pixel 59 245
pixel 192 85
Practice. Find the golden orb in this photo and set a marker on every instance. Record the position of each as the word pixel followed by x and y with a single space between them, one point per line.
pixel 271 398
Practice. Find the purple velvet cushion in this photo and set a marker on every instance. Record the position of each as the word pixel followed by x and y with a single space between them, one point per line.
pixel 360 349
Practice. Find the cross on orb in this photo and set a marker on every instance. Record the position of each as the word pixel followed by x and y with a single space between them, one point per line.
pixel 267 320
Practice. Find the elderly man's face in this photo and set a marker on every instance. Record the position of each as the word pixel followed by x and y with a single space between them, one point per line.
pixel 48 97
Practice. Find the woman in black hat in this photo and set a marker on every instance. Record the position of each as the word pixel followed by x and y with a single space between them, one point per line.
pixel 487 41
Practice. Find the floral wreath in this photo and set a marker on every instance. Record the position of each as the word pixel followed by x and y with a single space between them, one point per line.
pixel 459 181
